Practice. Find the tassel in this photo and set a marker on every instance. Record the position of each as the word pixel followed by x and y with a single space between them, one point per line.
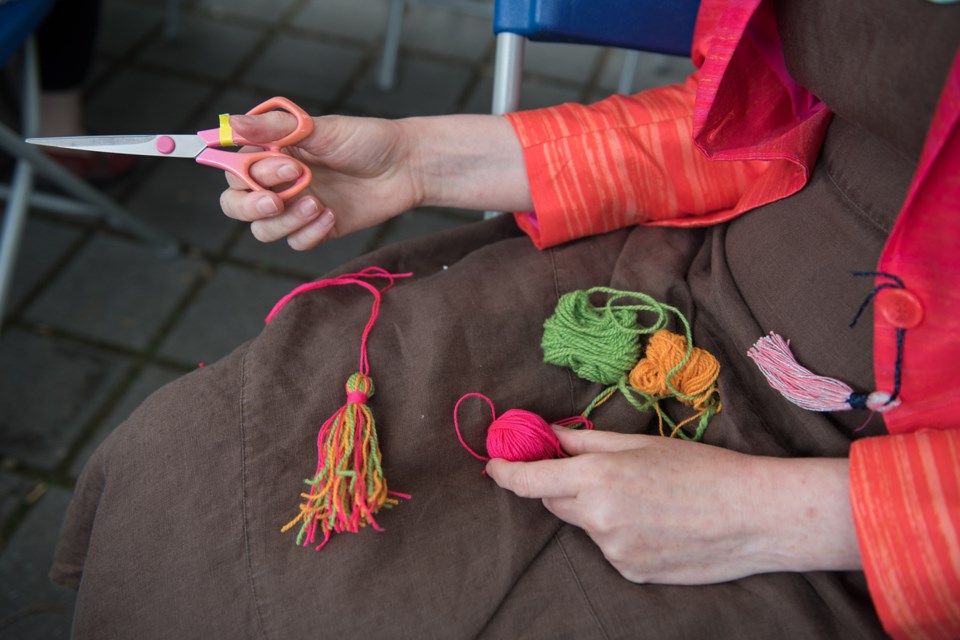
pixel 348 487
pixel 806 389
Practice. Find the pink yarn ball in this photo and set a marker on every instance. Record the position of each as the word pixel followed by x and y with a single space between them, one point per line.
pixel 522 436
pixel 518 435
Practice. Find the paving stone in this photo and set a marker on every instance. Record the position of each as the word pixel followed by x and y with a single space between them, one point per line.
pixel 447 31
pixel 534 94
pixel 313 263
pixel 357 19
pixel 653 70
pixel 122 26
pixel 43 245
pixel 13 490
pixel 424 87
pixel 227 312
pixel 240 101
pixel 49 390
pixel 31 606
pixel 265 12
pixel 307 67
pixel 151 378
pixel 572 62
pixel 138 102
pixel 182 198
pixel 422 222
pixel 203 46
pixel 116 291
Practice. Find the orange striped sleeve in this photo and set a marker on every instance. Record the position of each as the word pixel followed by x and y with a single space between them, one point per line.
pixel 905 494
pixel 632 160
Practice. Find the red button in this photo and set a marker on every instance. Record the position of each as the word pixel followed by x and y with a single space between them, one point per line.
pixel 900 307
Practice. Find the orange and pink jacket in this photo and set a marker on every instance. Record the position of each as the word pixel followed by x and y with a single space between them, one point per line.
pixel 652 159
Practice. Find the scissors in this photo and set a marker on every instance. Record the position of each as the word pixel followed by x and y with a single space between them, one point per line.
pixel 203 146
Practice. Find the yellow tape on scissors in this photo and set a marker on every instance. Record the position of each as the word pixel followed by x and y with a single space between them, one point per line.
pixel 226 132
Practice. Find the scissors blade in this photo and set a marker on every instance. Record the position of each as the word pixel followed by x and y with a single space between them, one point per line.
pixel 178 146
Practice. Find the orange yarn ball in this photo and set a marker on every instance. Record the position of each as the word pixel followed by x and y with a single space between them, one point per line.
pixel 695 379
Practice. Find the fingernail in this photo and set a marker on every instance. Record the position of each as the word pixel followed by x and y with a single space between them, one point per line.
pixel 326 218
pixel 307 208
pixel 267 206
pixel 287 172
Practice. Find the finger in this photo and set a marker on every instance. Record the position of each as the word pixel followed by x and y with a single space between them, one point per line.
pixel 577 441
pixel 298 215
pixel 269 172
pixel 540 479
pixel 567 509
pixel 313 233
pixel 265 127
pixel 250 205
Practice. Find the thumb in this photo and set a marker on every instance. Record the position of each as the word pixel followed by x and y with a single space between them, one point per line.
pixel 579 441
pixel 263 128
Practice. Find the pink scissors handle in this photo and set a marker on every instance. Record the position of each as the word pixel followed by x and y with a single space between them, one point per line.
pixel 239 163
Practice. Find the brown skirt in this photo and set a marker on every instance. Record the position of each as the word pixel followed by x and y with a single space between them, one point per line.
pixel 174 530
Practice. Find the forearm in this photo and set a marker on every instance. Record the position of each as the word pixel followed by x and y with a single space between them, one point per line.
pixel 467 161
pixel 804 519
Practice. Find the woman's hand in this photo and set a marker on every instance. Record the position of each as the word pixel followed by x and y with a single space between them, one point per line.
pixel 677 512
pixel 360 178
pixel 367 170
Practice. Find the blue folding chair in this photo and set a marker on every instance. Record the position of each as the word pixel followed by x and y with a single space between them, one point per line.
pixel 658 26
pixel 18 20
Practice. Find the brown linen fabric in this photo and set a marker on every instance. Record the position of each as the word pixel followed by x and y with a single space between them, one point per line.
pixel 878 63
pixel 174 531
pixel 174 528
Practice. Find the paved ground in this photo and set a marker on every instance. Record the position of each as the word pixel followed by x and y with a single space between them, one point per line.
pixel 97 321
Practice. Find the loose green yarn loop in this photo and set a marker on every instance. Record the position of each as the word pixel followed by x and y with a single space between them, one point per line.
pixel 597 343
pixel 602 344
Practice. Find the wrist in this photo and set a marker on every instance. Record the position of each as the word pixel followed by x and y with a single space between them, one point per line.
pixel 466 161
pixel 805 522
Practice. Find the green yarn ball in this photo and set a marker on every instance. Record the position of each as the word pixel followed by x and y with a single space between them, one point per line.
pixel 600 344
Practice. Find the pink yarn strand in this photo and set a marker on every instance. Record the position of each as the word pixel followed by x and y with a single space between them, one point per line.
pixel 456 423
pixel 799 385
pixel 517 435
pixel 804 388
pixel 349 278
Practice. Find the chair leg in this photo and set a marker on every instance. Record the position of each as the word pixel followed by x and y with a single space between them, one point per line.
pixel 628 72
pixel 391 45
pixel 507 76
pixel 507 73
pixel 171 23
pixel 14 222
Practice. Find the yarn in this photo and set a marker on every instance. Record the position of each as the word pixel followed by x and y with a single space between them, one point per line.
pixel 806 389
pixel 670 369
pixel 814 392
pixel 517 435
pixel 597 343
pixel 603 344
pixel 348 487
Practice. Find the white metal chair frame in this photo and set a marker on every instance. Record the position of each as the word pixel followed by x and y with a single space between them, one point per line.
pixel 20 196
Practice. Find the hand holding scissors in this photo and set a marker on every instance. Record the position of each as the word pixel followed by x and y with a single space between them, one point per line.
pixel 204 146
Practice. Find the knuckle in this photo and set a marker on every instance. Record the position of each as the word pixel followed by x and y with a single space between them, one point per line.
pixel 522 483
pixel 599 520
